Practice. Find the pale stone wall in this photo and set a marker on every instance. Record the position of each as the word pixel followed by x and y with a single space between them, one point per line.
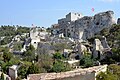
pixel 73 16
pixel 61 21
pixel 35 38
pixel 34 33
pixel 13 74
pixel 34 42
pixel 78 74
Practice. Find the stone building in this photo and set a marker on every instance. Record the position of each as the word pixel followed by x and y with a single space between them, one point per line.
pixel 35 38
pixel 13 72
pixel 67 24
pixel 37 35
pixel 55 28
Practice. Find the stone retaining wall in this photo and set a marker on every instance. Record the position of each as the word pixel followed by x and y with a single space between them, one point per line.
pixel 78 74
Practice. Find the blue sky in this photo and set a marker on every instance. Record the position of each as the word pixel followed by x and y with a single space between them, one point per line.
pixel 47 12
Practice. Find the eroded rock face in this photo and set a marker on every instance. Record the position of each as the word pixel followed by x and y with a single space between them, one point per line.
pixel 95 24
pixel 104 43
pixel 100 47
pixel 118 21
pixel 85 27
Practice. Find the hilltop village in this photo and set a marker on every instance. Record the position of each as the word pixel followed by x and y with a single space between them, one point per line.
pixel 76 48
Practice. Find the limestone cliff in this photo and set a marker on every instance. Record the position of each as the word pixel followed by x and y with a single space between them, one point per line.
pixel 95 24
pixel 85 27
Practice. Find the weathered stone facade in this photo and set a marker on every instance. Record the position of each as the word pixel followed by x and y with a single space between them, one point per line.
pixel 35 38
pixel 85 27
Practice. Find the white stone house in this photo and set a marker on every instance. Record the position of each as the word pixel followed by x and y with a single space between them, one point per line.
pixel 13 72
pixel 35 38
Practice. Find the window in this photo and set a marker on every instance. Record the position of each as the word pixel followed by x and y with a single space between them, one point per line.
pixel 88 22
pixel 97 23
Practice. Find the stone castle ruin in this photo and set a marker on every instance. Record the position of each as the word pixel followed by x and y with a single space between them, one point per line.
pixel 78 27
pixel 81 28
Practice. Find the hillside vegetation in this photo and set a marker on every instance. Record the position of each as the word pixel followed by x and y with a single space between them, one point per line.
pixel 12 31
pixel 113 38
pixel 112 35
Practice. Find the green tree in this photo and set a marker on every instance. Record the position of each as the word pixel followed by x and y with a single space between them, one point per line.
pixel 6 40
pixel 7 56
pixel 57 56
pixel 5 66
pixel 31 47
pixel 58 66
pixel 7 31
pixel 22 71
pixel 105 76
pixel 17 46
pixel 116 54
pixel 45 61
pixel 86 61
pixel 29 55
pixel 114 69
pixel 21 30
pixel 60 46
pixel 33 69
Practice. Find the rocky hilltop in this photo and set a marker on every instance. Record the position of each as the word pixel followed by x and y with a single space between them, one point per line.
pixel 97 23
pixel 85 27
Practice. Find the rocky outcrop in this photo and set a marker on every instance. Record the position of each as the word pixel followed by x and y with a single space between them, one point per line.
pixel 81 49
pixel 104 43
pixel 95 24
pixel 100 47
pixel 85 27
pixel 118 21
